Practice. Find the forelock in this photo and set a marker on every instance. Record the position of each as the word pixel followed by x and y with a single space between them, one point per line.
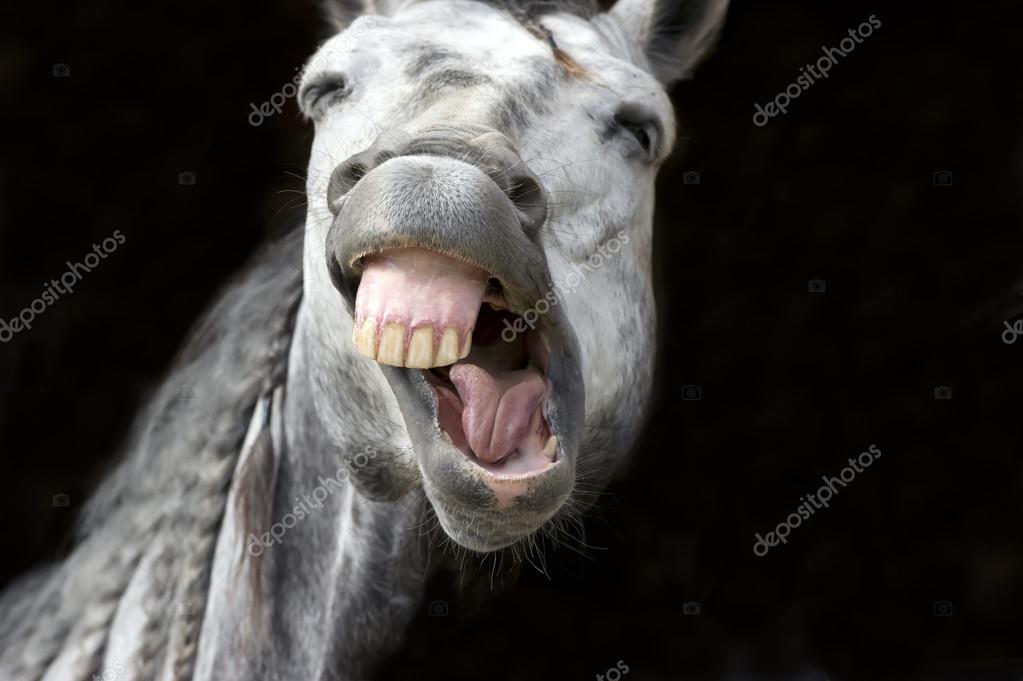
pixel 538 8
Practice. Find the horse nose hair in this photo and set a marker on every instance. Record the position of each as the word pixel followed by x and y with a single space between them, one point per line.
pixel 525 192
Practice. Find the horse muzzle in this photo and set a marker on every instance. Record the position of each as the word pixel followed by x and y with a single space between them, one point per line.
pixel 434 250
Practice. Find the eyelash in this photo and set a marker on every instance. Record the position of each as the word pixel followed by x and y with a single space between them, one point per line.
pixel 318 97
pixel 641 135
pixel 645 132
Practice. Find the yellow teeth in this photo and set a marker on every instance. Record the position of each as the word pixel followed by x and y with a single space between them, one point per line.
pixel 390 348
pixel 448 351
pixel 365 337
pixel 420 348
pixel 551 446
pixel 392 345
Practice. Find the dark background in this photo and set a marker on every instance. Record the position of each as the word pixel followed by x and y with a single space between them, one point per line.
pixel 918 280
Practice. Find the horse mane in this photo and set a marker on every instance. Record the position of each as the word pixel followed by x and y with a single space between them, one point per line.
pixel 164 499
pixel 340 13
pixel 583 8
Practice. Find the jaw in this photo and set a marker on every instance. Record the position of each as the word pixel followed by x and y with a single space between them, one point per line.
pixel 483 507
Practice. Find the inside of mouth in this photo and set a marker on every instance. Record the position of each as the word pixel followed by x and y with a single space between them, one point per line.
pixel 491 404
pixel 488 369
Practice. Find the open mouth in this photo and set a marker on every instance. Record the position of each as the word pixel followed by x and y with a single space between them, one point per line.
pixel 488 369
pixel 451 294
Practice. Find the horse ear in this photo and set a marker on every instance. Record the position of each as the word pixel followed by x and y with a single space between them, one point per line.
pixel 674 35
pixel 340 13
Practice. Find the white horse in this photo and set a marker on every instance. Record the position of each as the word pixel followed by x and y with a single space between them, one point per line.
pixel 457 367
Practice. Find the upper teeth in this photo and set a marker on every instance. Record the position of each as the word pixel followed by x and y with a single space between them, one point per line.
pixel 418 348
pixel 416 308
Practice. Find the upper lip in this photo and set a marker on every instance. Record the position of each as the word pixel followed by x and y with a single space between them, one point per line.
pixel 519 276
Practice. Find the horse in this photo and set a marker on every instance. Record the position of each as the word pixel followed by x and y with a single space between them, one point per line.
pixel 447 361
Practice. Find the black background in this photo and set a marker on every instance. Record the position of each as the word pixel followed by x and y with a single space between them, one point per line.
pixel 919 278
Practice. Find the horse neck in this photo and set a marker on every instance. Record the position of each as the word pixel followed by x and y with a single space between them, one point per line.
pixel 338 574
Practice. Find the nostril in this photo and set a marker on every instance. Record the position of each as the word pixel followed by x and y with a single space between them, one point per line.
pixel 344 177
pixel 357 170
pixel 529 198
pixel 497 157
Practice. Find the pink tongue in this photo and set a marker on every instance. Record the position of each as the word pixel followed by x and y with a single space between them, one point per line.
pixel 497 409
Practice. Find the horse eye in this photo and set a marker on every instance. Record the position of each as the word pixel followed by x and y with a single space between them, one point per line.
pixel 641 135
pixel 643 127
pixel 318 96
